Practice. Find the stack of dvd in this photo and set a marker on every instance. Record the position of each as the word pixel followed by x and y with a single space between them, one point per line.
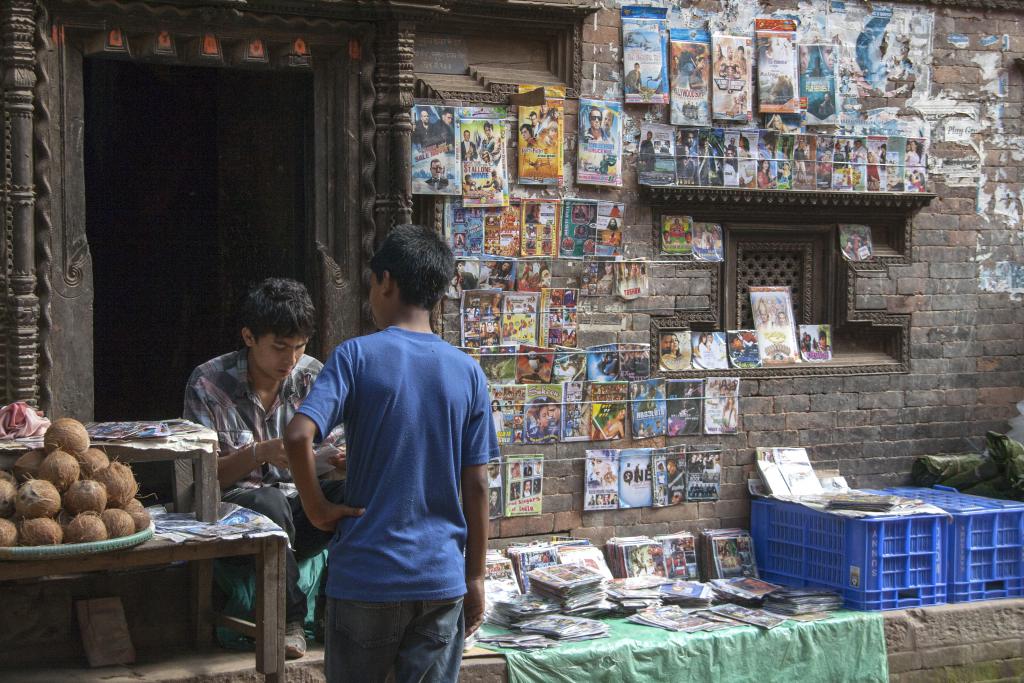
pixel 688 594
pixel 743 591
pixel 517 641
pixel 572 586
pixel 670 618
pixel 798 601
pixel 637 593
pixel 509 612
pixel 565 628
pixel 727 554
pixel 635 556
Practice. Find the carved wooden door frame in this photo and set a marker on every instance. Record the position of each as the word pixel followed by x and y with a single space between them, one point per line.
pixel 341 230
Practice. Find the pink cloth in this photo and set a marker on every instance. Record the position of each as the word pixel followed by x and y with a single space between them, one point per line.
pixel 19 420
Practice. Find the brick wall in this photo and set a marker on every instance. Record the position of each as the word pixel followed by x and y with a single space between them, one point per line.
pixel 966 343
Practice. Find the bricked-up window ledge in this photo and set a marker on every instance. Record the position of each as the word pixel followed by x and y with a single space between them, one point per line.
pixel 907 201
pixel 851 363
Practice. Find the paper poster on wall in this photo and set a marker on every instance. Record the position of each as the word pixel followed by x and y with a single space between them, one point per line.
pixel 464 228
pixel 721 405
pixel 855 242
pixel 657 162
pixel 436 168
pixel 674 350
pixel 731 78
pixel 542 416
pixel 579 228
pixel 502 233
pixel 484 164
pixel 636 488
pixel 524 478
pixel 610 218
pixel 818 84
pixel 599 155
pixel 777 90
pixel 507 403
pixel 540 227
pixel 542 138
pixel 816 343
pixel 602 482
pixel 690 77
pixel 576 412
pixel 707 241
pixel 644 54
pixel 676 234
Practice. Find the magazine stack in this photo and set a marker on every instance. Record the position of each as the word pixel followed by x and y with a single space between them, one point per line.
pixel 565 628
pixel 801 601
pixel 743 591
pixel 636 593
pixel 572 586
pixel 508 613
pixel 635 556
pixel 728 553
pixel 688 594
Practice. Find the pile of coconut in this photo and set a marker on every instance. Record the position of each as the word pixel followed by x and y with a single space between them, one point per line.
pixel 68 492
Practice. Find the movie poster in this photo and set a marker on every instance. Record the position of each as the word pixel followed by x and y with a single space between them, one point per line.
pixel 647 408
pixel 772 309
pixel 483 139
pixel 731 78
pixel 498 364
pixel 721 405
pixel 818 84
pixel 481 318
pixel 644 55
pixel 610 217
pixel 703 475
pixel 823 165
pixel 804 156
pixel 816 343
pixel 634 360
pixel 635 485
pixel 743 351
pixel 519 318
pixel 507 403
pixel 464 228
pixel 570 365
pixel 576 412
pixel 602 483
pixel 540 227
pixel 599 155
pixel 502 233
pixel 878 169
pixel 435 157
pixel 674 350
pixel 467 276
pixel 495 504
pixel 579 228
pixel 524 479
pixel 631 279
pixel 607 410
pixel 855 242
pixel 670 481
pixel 603 363
pixel 676 235
pixel 687 156
pixel 497 274
pixel 542 138
pixel 895 160
pixel 597 278
pixel 690 76
pixel 542 415
pixel 558 317
pixel 709 351
pixel 777 90
pixel 707 241
pixel 684 399
pixel 657 163
pixel 916 161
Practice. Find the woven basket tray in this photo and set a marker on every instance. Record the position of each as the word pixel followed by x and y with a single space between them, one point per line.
pixel 49 552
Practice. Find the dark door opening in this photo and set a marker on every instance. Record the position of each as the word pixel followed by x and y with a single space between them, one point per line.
pixel 197 184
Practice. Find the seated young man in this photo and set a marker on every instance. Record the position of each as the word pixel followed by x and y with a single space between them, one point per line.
pixel 248 397
pixel 405 579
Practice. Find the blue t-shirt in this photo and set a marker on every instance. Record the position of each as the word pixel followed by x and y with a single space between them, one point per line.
pixel 416 412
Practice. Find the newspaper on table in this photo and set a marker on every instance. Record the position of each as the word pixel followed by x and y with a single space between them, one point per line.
pixel 233 522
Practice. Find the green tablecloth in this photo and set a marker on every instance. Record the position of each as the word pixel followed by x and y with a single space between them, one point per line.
pixel 849 646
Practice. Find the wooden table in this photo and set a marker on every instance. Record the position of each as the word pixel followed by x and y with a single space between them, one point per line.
pixel 268 553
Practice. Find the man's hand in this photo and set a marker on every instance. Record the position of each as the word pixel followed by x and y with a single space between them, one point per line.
pixel 473 605
pixel 272 452
pixel 326 518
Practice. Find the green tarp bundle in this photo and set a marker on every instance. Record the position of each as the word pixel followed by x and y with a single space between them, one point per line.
pixel 847 647
pixel 997 473
pixel 238 581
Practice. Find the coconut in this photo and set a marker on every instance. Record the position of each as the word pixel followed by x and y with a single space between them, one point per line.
pixel 27 466
pixel 85 528
pixel 37 498
pixel 118 522
pixel 8 494
pixel 40 531
pixel 92 461
pixel 7 476
pixel 60 469
pixel 120 483
pixel 8 534
pixel 85 495
pixel 140 516
pixel 67 435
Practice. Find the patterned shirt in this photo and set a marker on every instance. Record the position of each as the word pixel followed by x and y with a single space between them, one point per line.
pixel 218 395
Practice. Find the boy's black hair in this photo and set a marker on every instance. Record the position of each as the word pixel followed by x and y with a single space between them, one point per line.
pixel 278 306
pixel 419 261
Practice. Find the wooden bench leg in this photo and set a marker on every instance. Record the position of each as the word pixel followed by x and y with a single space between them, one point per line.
pixel 270 609
pixel 201 579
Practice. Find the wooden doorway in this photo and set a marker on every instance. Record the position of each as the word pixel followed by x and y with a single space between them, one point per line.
pixel 196 185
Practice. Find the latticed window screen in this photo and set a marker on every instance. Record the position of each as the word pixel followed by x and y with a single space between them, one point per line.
pixel 775 264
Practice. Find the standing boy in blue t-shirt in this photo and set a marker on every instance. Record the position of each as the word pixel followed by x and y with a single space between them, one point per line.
pixel 419 431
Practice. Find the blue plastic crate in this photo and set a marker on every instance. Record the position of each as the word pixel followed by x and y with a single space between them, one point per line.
pixel 984 543
pixel 876 563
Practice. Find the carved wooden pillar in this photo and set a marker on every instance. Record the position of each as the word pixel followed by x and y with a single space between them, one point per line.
pixel 18 63
pixel 394 83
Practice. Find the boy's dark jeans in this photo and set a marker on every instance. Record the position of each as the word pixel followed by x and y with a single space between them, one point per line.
pixel 420 641
pixel 304 539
